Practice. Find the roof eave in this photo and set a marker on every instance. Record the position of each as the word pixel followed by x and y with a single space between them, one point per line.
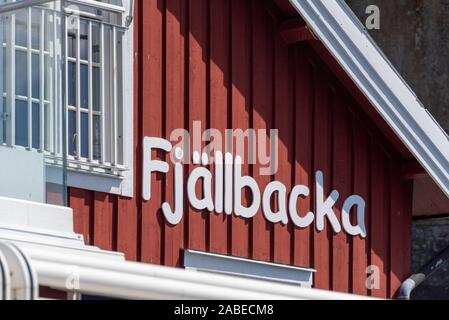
pixel 344 36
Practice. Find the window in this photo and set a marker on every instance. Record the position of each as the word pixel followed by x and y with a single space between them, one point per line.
pixel 29 88
pixel 98 87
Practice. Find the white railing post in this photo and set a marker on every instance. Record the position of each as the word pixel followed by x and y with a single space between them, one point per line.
pixel 102 92
pixel 42 82
pixel 29 81
pixel 11 83
pixel 90 93
pixel 2 110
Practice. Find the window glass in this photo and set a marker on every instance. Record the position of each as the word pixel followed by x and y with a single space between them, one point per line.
pixel 21 27
pixel 4 122
pixel 84 40
pixel 96 42
pixel 71 37
pixel 71 133
pixel 35 28
pixel 36 126
pixel 96 88
pixel 4 70
pixel 21 123
pixel 35 71
pixel 47 132
pixel 48 68
pixel 84 135
pixel 96 137
pixel 71 83
pixel 84 79
pixel 21 73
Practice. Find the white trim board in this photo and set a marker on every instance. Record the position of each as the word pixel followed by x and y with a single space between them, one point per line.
pixel 221 264
pixel 333 22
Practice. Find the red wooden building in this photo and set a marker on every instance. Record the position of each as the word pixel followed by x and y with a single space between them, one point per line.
pixel 256 64
pixel 306 68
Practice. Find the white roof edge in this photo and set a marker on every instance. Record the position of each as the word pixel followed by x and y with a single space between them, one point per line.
pixel 334 23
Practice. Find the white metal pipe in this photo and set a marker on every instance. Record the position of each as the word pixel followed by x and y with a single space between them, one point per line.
pixel 11 84
pixel 42 88
pixel 174 274
pixel 8 7
pixel 23 276
pixel 78 89
pixel 14 6
pixel 2 107
pixel 102 98
pixel 5 278
pixel 53 92
pixel 29 81
pixel 114 111
pixel 135 286
pixel 90 89
pixel 98 5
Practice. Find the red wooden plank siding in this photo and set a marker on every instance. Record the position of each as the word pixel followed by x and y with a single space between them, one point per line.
pixel 175 63
pixel 128 210
pixel 127 227
pixel 303 155
pixel 104 221
pixel 220 81
pixel 322 150
pixel 342 181
pixel 263 28
pixel 223 63
pixel 241 106
pixel 151 120
pixel 379 222
pixel 198 56
pixel 396 230
pixel 361 247
pixel 81 203
pixel 407 204
pixel 283 122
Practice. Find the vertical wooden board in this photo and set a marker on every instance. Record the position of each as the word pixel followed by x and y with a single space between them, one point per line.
pixel 241 106
pixel 407 204
pixel 174 114
pixel 284 123
pixel 263 35
pixel 342 177
pixel 387 220
pixel 360 246
pixel 400 231
pixel 198 56
pixel 81 203
pixel 379 231
pixel 397 223
pixel 127 227
pixel 104 211
pixel 303 153
pixel 151 122
pixel 322 161
pixel 220 83
pixel 128 209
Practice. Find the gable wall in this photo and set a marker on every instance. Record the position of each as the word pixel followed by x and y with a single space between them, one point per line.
pixel 224 63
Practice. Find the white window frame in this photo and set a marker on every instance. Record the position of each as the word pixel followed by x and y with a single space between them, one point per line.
pixel 236 266
pixel 112 177
pixel 90 174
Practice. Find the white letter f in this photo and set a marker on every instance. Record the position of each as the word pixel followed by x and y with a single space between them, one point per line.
pixel 150 166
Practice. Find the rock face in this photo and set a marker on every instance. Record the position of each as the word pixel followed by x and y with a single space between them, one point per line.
pixel 413 35
pixel 429 237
